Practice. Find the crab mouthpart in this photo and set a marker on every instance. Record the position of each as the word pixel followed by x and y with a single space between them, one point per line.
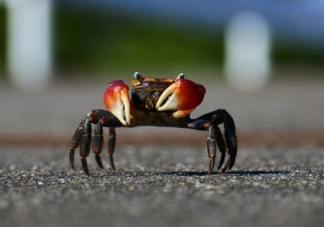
pixel 117 101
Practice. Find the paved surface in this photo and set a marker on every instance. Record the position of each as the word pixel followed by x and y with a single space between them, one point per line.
pixel 161 173
pixel 163 186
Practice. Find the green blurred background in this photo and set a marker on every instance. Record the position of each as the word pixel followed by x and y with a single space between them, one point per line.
pixel 100 43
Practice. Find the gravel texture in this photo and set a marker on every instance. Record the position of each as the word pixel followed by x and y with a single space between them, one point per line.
pixel 162 186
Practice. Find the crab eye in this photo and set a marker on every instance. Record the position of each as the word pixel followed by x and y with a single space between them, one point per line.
pixel 137 76
pixel 181 76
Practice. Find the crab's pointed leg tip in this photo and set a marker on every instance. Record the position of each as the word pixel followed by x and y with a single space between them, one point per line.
pixel 86 171
pixel 85 166
pixel 99 161
pixel 71 157
pixel 112 162
pixel 72 164
pixel 221 162
pixel 211 165
pixel 225 170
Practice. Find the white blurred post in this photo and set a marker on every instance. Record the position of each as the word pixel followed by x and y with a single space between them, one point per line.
pixel 247 65
pixel 29 43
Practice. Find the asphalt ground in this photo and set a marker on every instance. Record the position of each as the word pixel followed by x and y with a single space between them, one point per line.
pixel 267 187
pixel 277 180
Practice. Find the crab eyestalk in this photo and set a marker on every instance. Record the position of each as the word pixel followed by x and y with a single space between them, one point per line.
pixel 117 101
pixel 183 96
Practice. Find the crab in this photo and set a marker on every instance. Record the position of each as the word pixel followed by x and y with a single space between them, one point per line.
pixel 154 102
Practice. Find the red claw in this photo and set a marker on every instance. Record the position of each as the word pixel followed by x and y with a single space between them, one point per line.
pixel 183 96
pixel 117 101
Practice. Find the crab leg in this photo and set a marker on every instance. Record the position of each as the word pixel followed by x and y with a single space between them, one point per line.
pixel 75 142
pixel 85 144
pixel 221 145
pixel 98 143
pixel 82 137
pixel 108 120
pixel 230 135
pixel 213 119
pixel 215 137
pixel 111 147
pixel 211 148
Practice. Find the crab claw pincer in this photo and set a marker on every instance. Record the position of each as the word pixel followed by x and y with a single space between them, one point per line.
pixel 116 100
pixel 183 96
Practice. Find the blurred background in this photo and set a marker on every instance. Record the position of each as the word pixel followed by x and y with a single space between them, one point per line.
pixel 262 61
